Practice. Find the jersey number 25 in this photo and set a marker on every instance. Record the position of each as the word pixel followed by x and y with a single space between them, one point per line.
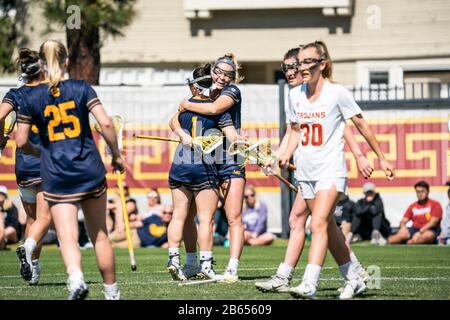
pixel 60 116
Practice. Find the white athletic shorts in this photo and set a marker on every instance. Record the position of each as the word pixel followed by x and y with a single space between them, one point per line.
pixel 310 188
pixel 29 194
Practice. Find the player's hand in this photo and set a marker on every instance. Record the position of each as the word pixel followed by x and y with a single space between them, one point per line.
pixel 388 168
pixel 186 140
pixel 183 105
pixel 283 161
pixel 364 167
pixel 118 164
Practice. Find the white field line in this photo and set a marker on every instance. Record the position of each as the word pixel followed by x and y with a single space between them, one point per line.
pixel 253 281
pixel 240 269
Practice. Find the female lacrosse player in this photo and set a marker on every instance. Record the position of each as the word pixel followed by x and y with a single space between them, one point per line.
pixel 319 108
pixel 28 175
pixel 72 171
pixel 227 97
pixel 299 213
pixel 192 179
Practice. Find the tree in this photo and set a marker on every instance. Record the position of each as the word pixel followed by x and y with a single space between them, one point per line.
pixel 10 31
pixel 88 23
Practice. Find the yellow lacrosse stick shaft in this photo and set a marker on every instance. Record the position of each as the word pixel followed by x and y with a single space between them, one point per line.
pixel 140 136
pixel 127 222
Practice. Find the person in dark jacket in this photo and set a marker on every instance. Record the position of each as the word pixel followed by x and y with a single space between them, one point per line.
pixel 369 221
pixel 344 215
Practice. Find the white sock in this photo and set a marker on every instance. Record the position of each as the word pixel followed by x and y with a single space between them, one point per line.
pixel 174 251
pixel 312 273
pixel 233 264
pixel 191 258
pixel 111 288
pixel 35 262
pixel 348 271
pixel 206 255
pixel 30 245
pixel 75 276
pixel 353 258
pixel 285 270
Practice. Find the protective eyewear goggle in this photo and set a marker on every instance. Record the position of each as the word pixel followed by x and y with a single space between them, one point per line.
pixel 228 74
pixel 293 66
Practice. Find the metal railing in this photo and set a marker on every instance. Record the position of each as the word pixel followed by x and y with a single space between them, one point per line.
pixel 406 92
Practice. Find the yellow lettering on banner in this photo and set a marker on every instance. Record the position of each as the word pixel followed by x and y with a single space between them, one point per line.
pixel 155 158
pixel 411 155
pixel 12 159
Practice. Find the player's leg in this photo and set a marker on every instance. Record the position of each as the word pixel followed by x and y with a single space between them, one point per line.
pixel 206 202
pixel 66 224
pixel 181 199
pixel 234 196
pixel 40 210
pixel 191 268
pixel 322 209
pixel 297 221
pixel 346 259
pixel 94 210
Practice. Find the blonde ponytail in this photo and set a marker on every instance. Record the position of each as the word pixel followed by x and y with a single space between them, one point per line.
pixel 54 54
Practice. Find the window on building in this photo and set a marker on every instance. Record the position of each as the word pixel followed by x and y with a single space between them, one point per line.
pixel 377 77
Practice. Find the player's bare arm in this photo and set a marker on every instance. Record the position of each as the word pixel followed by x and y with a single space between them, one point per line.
pixel 219 106
pixel 361 161
pixel 363 127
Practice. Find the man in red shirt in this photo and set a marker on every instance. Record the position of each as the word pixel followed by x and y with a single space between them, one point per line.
pixel 425 214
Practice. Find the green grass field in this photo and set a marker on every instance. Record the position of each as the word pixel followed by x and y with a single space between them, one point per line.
pixel 407 272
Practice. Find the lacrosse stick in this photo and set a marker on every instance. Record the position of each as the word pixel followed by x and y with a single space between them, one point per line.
pixel 205 144
pixel 118 124
pixel 260 153
pixel 10 121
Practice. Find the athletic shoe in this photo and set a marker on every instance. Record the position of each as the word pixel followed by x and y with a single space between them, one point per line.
pixel 229 276
pixel 305 290
pixel 377 238
pixel 36 274
pixel 25 263
pixel 356 238
pixel 275 284
pixel 207 269
pixel 175 270
pixel 112 296
pixel 77 291
pixel 352 289
pixel 191 271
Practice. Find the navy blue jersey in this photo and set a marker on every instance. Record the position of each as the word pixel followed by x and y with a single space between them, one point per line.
pixel 27 167
pixel 232 166
pixel 71 166
pixel 189 167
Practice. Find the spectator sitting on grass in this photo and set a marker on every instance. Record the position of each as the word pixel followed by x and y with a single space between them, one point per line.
pixel 10 228
pixel 254 218
pixel 153 233
pixel 425 214
pixel 369 221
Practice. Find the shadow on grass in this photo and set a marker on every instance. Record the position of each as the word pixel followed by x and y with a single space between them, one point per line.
pixel 62 284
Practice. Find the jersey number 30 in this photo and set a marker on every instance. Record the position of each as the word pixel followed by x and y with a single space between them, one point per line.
pixel 60 116
pixel 312 134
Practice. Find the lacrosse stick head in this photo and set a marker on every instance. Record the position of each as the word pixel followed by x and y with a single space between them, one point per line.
pixel 207 144
pixel 260 153
pixel 10 122
pixel 118 124
pixel 238 147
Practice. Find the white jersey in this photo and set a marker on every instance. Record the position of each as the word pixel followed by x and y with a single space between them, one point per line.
pixel 322 123
pixel 288 110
